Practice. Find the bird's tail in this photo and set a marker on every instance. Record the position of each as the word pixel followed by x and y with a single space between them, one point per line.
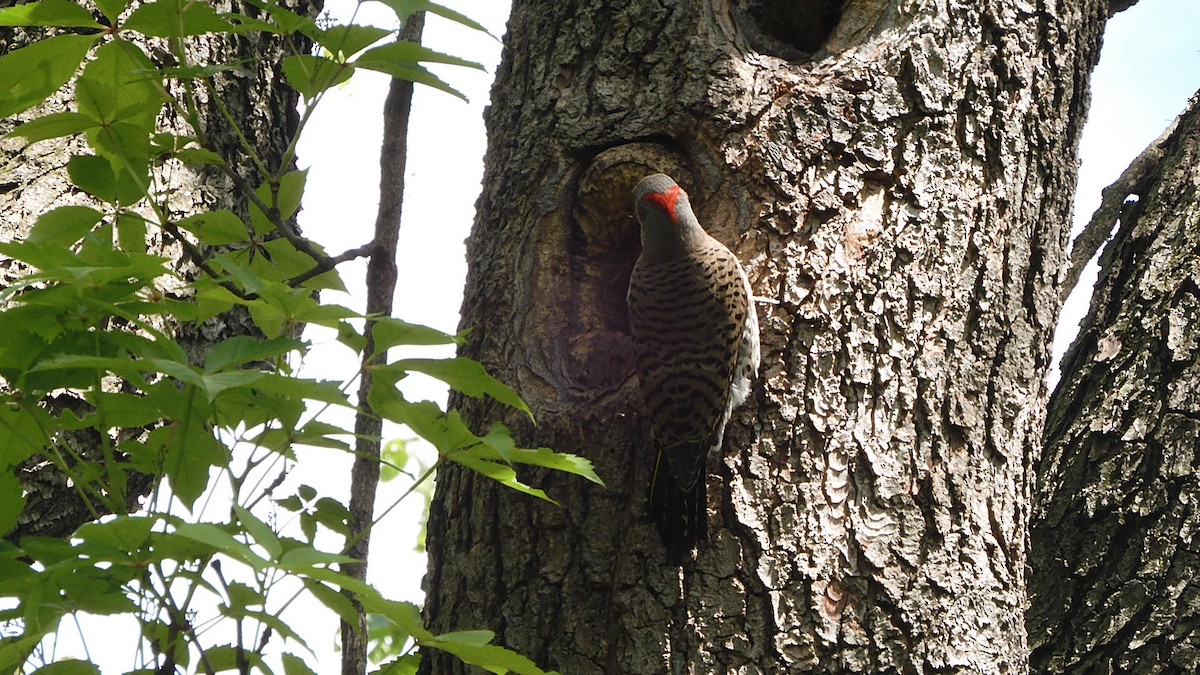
pixel 679 509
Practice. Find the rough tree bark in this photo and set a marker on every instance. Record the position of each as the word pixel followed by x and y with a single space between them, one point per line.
pixel 897 177
pixel 1114 570
pixel 33 180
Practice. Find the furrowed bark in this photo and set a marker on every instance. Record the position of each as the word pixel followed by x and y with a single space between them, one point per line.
pixel 900 186
pixel 1114 585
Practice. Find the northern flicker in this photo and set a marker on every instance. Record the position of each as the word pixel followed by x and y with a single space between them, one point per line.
pixel 695 333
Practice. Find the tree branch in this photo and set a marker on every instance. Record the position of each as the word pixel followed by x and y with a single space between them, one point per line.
pixel 1116 6
pixel 381 287
pixel 330 263
pixel 272 214
pixel 1113 197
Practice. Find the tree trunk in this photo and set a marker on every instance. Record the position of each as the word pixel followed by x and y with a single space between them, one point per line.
pixel 33 180
pixel 1114 584
pixel 896 176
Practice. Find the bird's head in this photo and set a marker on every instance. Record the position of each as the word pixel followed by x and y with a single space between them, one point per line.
pixel 669 228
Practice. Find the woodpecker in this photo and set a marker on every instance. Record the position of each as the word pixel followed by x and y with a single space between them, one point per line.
pixel 695 334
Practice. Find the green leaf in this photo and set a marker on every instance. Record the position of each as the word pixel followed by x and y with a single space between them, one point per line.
pixel 260 531
pixel 331 576
pixel 472 647
pixel 320 434
pixel 499 439
pixel 242 349
pixel 20 437
pixel 463 375
pixel 389 332
pixel 294 665
pixel 501 473
pixel 334 515
pixel 242 598
pixel 15 651
pixel 243 24
pixel 98 595
pixel 64 226
pixel 284 197
pixel 401 60
pixel 112 9
pixel 171 546
pixel 31 74
pixel 95 176
pixel 62 13
pixel 131 232
pixel 287 262
pixel 286 20
pixel 190 450
pixel 267 316
pixel 68 667
pixel 445 432
pixel 334 600
pixel 184 148
pixel 176 18
pixel 48 550
pixel 408 664
pixel 304 556
pixel 474 638
pixel 110 88
pixel 394 456
pixel 200 157
pixel 325 391
pixel 224 658
pixel 410 52
pixel 499 442
pixel 291 503
pixel 125 141
pixel 53 125
pixel 274 311
pixel 216 228
pixel 329 315
pixel 418 74
pixel 311 75
pixel 123 533
pixel 214 384
pixel 405 9
pixel 220 540
pixel 126 410
pixel 346 41
pixel 12 500
pixel 406 615
pixel 250 409
pixel 276 624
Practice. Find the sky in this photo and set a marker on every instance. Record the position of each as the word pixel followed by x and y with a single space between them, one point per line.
pixel 1149 68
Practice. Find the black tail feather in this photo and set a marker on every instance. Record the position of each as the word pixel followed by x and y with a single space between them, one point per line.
pixel 680 514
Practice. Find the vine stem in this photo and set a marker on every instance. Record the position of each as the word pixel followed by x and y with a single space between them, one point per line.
pixel 381 287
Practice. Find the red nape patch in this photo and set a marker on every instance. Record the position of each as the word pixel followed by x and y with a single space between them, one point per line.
pixel 665 200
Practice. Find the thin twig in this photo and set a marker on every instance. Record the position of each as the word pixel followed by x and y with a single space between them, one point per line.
pixel 197 258
pixel 1112 198
pixel 330 263
pixel 381 287
pixel 276 219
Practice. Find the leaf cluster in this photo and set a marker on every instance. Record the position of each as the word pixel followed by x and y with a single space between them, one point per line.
pixel 96 322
